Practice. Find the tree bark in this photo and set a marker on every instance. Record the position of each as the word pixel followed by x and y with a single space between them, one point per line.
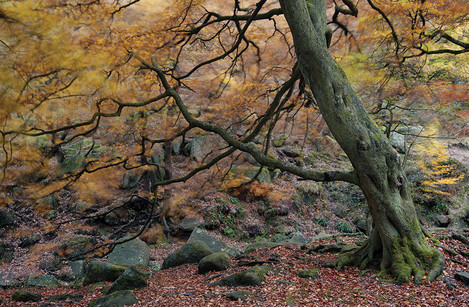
pixel 397 236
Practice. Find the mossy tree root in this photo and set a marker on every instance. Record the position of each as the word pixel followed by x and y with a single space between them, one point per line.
pixel 417 259
pixel 362 256
pixel 407 257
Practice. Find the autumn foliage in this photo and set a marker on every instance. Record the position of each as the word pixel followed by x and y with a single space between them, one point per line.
pixel 85 108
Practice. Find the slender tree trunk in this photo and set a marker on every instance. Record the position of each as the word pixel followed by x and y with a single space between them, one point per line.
pixel 397 236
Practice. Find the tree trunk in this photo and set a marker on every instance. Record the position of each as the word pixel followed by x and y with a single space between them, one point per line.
pixel 397 234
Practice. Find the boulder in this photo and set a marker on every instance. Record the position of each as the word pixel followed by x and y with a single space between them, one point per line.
pixel 321 236
pixel 412 130
pixel 251 277
pixel 442 220
pixel 96 271
pixel 134 252
pixel 258 245
pixel 28 241
pixel 131 179
pixel 131 279
pixel 75 248
pixel 291 153
pixel 25 296
pixel 157 155
pixel 191 252
pixel 279 141
pixel 6 252
pixel 78 269
pixel 398 142
pixel 189 224
pixel 176 146
pixel 214 244
pixel 115 299
pixel 463 276
pixel 112 219
pixel 43 281
pixel 49 264
pixel 194 150
pixel 7 218
pixel 65 297
pixel 238 295
pixel 253 230
pixel 298 238
pixel 309 273
pixel 214 262
pixel 10 280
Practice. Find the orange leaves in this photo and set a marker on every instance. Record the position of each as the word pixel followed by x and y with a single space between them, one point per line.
pixel 153 234
pixel 411 29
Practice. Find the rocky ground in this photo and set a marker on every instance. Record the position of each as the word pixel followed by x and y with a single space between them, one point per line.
pixel 283 286
pixel 31 245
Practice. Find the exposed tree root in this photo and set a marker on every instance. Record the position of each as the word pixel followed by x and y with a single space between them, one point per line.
pixel 407 257
pixel 460 238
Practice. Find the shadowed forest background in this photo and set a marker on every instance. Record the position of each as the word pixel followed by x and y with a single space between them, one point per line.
pixel 149 119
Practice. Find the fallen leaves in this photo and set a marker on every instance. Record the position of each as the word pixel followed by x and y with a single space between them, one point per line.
pixel 182 286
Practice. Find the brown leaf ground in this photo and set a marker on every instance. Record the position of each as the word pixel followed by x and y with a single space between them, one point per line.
pixel 182 286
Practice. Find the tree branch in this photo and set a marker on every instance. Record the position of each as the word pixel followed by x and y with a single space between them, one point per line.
pixel 249 147
pixel 385 17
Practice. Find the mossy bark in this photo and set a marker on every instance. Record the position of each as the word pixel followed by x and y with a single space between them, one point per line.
pixel 397 237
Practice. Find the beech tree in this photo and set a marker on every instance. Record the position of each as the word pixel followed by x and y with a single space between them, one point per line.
pixel 120 65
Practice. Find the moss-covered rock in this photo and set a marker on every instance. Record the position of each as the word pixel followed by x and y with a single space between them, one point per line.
pixel 78 269
pixel 279 141
pixel 115 299
pixel 191 252
pixel 134 252
pixel 25 296
pixel 309 273
pixel 251 277
pixel 6 252
pixel 96 271
pixel 65 297
pixel 75 248
pixel 30 240
pixel 131 279
pixel 43 281
pixel 298 238
pixel 214 262
pixel 213 243
pixel 189 224
pixel 7 218
pixel 131 178
pixel 259 245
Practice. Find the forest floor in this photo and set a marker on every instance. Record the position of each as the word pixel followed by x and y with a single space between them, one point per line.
pixel 182 286
pixel 337 204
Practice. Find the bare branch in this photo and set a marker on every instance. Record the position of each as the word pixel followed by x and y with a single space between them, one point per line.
pixel 249 147
pixel 385 17
pixel 234 47
pixel 120 8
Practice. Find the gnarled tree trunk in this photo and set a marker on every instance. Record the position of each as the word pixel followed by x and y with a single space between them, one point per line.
pixel 397 236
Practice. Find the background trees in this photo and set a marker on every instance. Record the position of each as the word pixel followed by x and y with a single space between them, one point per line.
pixel 86 98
